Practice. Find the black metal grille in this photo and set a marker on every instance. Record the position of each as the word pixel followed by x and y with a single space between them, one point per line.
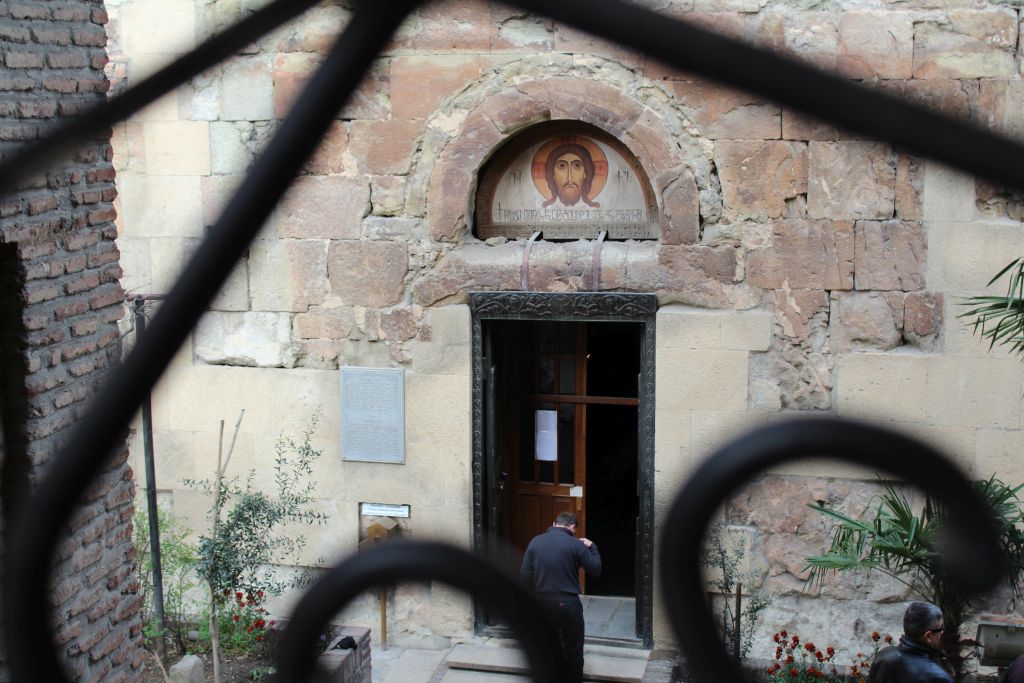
pixel 973 556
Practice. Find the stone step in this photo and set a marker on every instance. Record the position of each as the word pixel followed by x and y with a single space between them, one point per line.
pixel 415 666
pixel 507 660
pixel 467 676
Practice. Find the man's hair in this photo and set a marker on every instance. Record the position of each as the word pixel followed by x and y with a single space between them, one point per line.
pixel 920 617
pixel 589 170
pixel 566 519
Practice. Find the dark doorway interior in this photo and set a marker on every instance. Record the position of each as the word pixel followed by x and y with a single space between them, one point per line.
pixel 613 367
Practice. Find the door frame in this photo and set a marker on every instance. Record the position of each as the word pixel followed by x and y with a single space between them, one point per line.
pixel 574 307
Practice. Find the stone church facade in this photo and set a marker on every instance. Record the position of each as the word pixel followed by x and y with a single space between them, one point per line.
pixel 796 268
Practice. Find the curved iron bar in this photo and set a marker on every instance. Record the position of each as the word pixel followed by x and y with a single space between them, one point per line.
pixel 674 42
pixel 40 521
pixel 390 563
pixel 972 553
pixel 32 157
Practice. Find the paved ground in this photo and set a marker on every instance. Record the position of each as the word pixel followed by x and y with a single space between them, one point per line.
pixel 419 665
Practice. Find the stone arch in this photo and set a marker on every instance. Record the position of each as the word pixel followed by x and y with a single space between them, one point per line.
pixel 463 134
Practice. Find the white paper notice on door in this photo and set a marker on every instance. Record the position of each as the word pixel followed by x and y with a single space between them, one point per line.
pixel 546 436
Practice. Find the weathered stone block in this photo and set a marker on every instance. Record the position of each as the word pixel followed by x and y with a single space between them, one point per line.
pixel 974 392
pixel 963 260
pixel 909 187
pixel 177 147
pixel 851 180
pixel 287 275
pixel 758 177
pixel 461 25
pixel 799 126
pixel 652 144
pixel 160 206
pixel 862 321
pixel 255 339
pixel 805 255
pixel 511 110
pixel 712 429
pixel 420 83
pixel 725 113
pixel 163 26
pixel 247 89
pixel 796 311
pixel 323 207
pixel 454 172
pixel 875 44
pixel 228 152
pixel 443 344
pixel 998 451
pixel 704 379
pixel 368 273
pixel 387 195
pixel 681 211
pixel 889 255
pixel 315 30
pixel 216 192
pixel 948 95
pixel 889 386
pixel 433 413
pixel 329 157
pixel 747 330
pixel 810 36
pixel 948 194
pixel 473 267
pixel 291 72
pixel 966 44
pixel 688 327
pixel 923 319
pixel 384 147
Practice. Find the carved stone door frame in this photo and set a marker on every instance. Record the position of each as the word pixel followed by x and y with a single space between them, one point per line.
pixel 580 307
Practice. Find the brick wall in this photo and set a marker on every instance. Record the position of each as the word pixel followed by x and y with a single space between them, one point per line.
pixel 60 300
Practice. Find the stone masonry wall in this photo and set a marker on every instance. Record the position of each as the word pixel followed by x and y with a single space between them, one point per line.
pixel 62 301
pixel 799 268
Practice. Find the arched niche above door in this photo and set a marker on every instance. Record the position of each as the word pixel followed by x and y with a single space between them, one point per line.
pixel 568 180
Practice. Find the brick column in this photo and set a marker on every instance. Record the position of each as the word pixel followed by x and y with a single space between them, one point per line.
pixel 60 300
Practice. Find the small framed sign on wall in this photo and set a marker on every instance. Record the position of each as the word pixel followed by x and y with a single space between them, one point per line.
pixel 373 414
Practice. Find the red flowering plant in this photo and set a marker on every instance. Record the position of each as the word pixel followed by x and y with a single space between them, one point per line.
pixel 862 662
pixel 796 661
pixel 244 621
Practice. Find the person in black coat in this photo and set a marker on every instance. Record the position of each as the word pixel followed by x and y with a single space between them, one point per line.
pixel 917 658
pixel 551 568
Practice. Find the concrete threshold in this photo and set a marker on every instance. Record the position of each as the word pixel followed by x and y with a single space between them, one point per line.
pixel 506 660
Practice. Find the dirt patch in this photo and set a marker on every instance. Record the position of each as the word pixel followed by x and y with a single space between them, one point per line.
pixel 237 668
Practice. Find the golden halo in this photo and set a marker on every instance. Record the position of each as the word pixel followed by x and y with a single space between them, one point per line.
pixel 596 154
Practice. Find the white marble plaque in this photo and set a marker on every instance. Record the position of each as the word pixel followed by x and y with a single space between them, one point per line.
pixel 373 414
pixel 383 510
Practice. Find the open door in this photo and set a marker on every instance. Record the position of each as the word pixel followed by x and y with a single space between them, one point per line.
pixel 576 374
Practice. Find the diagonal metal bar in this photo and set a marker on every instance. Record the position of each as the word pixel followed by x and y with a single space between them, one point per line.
pixel 65 137
pixel 795 84
pixel 39 523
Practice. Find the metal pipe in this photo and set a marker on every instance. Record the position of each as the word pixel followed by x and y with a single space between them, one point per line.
pixel 138 305
pixel 524 268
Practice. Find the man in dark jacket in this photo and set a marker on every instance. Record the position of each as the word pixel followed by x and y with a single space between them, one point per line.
pixel 917 658
pixel 551 566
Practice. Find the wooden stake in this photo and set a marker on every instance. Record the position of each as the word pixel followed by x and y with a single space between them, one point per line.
pixel 384 618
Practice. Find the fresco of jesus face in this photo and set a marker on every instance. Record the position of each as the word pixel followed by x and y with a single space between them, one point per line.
pixel 569 176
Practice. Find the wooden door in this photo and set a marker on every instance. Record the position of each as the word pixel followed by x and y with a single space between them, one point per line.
pixel 547 371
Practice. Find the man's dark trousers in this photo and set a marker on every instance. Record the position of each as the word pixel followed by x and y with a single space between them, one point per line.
pixel 567 616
